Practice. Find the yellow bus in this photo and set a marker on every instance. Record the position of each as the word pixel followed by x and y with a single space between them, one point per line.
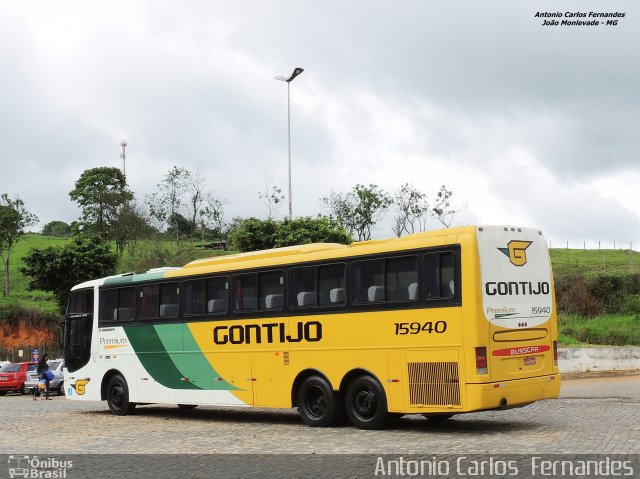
pixel 436 323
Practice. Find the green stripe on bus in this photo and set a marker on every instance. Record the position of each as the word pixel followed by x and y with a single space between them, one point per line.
pixel 134 278
pixel 155 359
pixel 188 358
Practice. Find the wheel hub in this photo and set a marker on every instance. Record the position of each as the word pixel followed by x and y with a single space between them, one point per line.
pixel 365 403
pixel 316 402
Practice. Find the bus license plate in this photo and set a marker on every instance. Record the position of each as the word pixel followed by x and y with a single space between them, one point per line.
pixel 529 360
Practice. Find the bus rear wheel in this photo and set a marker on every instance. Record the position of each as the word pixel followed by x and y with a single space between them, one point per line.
pixel 118 396
pixel 366 403
pixel 318 405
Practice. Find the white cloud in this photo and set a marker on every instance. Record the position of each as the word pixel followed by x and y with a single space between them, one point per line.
pixel 526 125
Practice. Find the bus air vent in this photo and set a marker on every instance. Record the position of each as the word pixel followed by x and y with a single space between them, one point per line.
pixel 434 384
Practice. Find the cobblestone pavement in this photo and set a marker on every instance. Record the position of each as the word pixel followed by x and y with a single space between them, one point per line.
pixel 597 415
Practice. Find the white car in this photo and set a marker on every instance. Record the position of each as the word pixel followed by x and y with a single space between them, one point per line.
pixel 57 384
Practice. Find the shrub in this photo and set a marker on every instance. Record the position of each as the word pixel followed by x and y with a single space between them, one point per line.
pixel 597 293
pixel 253 234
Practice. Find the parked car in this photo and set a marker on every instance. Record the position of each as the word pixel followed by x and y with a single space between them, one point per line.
pixel 13 377
pixel 56 384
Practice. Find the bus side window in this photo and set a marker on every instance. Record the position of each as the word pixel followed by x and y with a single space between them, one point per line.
pixel 331 285
pixel 303 287
pixel 194 297
pixel 447 275
pixel 149 301
pixel 369 281
pixel 245 292
pixel 169 300
pixel 109 305
pixel 126 304
pixel 217 296
pixel 440 275
pixel 271 287
pixel 401 279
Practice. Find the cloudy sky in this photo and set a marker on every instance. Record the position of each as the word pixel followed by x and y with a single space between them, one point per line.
pixel 528 125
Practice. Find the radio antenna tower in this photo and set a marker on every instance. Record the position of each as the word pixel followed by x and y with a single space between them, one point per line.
pixel 123 144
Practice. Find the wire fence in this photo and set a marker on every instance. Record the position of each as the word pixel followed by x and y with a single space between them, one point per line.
pixel 570 257
pixel 592 245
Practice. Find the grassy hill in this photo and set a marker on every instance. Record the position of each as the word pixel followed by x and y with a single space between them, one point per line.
pixel 18 293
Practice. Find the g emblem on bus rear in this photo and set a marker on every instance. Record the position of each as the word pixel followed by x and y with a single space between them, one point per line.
pixel 516 252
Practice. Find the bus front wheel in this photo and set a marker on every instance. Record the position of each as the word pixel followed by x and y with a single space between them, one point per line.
pixel 318 405
pixel 366 403
pixel 118 396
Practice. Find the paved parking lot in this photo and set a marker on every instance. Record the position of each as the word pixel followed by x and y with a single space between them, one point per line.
pixel 592 416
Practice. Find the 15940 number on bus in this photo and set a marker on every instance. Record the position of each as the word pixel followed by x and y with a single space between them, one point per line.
pixel 417 328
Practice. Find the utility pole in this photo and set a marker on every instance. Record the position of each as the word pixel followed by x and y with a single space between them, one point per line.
pixel 123 144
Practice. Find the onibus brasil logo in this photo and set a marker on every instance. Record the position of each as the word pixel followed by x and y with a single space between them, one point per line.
pixel 33 467
pixel 516 252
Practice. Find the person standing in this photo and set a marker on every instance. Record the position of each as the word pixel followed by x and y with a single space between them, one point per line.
pixel 41 370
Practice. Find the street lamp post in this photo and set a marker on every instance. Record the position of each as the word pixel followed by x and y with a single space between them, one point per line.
pixel 288 80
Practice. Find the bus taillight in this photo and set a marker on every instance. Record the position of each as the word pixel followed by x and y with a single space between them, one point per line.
pixel 481 360
pixel 555 353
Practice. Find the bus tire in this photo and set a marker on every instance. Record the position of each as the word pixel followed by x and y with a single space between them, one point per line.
pixel 318 405
pixel 118 396
pixel 366 403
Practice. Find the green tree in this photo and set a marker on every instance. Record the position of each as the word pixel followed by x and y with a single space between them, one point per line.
pixel 59 229
pixel 212 216
pixel 101 193
pixel 130 226
pixel 252 234
pixel 58 269
pixel 197 197
pixel 411 210
pixel 14 218
pixel 442 209
pixel 360 209
pixel 167 201
pixel 180 226
pixel 307 230
pixel 272 197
